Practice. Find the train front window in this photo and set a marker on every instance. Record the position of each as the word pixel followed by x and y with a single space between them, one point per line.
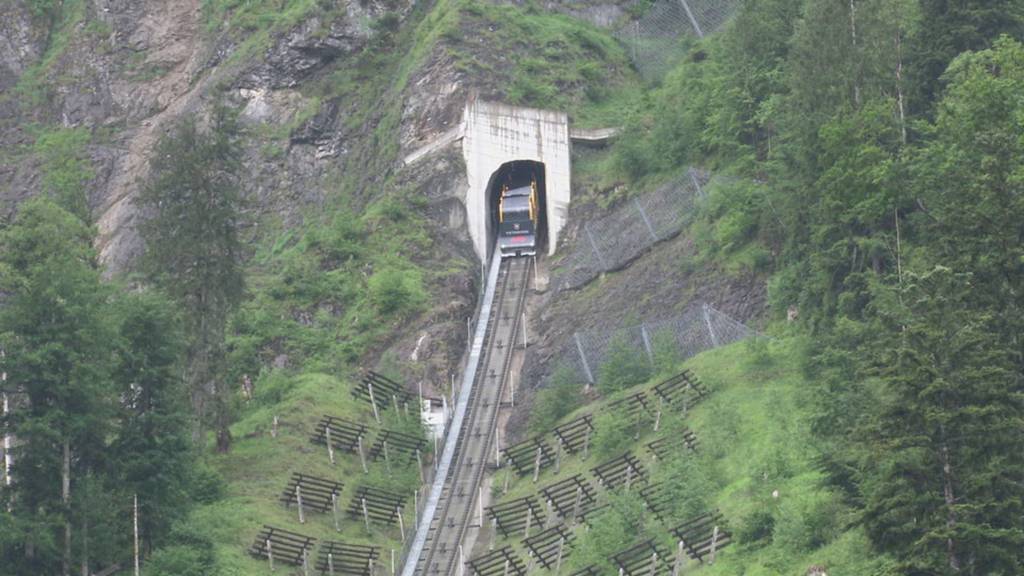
pixel 515 209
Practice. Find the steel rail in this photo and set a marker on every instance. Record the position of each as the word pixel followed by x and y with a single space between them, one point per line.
pixel 450 520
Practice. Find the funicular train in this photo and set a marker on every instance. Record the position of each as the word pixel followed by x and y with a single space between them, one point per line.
pixel 517 220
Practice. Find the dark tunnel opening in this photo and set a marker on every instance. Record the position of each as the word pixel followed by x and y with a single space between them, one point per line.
pixel 514 174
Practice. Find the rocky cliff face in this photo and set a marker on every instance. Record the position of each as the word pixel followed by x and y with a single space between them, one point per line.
pixel 332 95
pixel 128 70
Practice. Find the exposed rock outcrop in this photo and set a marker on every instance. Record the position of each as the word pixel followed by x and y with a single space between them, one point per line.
pixel 21 43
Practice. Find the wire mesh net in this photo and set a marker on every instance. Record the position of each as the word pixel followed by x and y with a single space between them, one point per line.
pixel 654 40
pixel 611 242
pixel 710 15
pixel 698 329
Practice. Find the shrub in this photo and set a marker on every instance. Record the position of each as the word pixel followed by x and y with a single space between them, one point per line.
pixel 809 520
pixel 689 484
pixel 665 349
pixel 66 168
pixel 756 528
pixel 561 397
pixel 397 292
pixel 271 387
pixel 623 367
pixel 207 485
pixel 616 526
pixel 613 434
pixel 188 551
pixel 759 357
pixel 178 560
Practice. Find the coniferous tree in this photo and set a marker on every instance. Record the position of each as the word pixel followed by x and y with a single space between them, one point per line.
pixel 950 28
pixel 152 448
pixel 57 344
pixel 945 495
pixel 193 251
pixel 971 181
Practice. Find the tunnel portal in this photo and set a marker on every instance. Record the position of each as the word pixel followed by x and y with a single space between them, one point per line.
pixel 513 175
pixel 508 144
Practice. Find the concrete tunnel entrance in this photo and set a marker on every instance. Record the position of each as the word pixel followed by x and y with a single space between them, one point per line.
pixel 501 142
pixel 514 174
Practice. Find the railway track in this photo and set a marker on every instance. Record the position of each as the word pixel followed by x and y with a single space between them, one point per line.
pixel 475 446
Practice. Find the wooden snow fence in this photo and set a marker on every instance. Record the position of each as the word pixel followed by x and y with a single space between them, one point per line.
pixel 643 559
pixel 529 456
pixel 661 447
pixel 311 493
pixel 338 559
pixel 576 435
pixel 501 562
pixel 370 503
pixel 703 536
pixel 517 516
pixel 390 443
pixel 571 496
pixel 626 470
pixel 550 546
pixel 281 546
pixel 345 436
pixel 683 390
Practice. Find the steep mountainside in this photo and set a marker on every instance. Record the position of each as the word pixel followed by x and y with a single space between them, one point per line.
pixel 845 176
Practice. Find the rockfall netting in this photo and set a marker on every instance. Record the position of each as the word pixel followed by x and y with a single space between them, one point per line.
pixel 611 242
pixel 655 39
pixel 698 329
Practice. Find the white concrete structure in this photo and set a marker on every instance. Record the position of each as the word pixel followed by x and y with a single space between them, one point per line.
pixel 496 134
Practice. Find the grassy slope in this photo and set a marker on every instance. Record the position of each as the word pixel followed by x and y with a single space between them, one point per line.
pixel 546 60
pixel 754 439
pixel 259 466
pixel 312 294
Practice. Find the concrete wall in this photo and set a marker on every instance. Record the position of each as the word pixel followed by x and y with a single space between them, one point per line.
pixel 494 134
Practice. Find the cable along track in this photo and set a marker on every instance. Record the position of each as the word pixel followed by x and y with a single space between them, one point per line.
pixel 476 435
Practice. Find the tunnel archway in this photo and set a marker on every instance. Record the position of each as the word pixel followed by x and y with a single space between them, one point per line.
pixel 517 173
pixel 499 140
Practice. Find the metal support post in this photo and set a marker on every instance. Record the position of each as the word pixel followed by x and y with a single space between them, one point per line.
pixel 334 511
pixel 330 445
pixel 647 344
pixel 373 402
pixel 362 456
pixel 401 522
pixel 711 331
pixel 583 360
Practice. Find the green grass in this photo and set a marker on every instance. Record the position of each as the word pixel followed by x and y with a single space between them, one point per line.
pixel 545 60
pixel 34 87
pixel 324 296
pixel 327 295
pixel 754 440
pixel 259 466
pixel 246 16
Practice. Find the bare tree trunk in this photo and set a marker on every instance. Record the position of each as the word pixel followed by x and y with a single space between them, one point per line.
pixel 950 499
pixel 66 500
pixel 899 87
pixel 85 545
pixel 135 534
pixel 853 37
pixel 223 416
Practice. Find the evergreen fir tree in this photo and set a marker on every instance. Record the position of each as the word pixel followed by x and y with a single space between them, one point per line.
pixel 947 496
pixel 152 448
pixel 57 342
pixel 950 28
pixel 193 252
